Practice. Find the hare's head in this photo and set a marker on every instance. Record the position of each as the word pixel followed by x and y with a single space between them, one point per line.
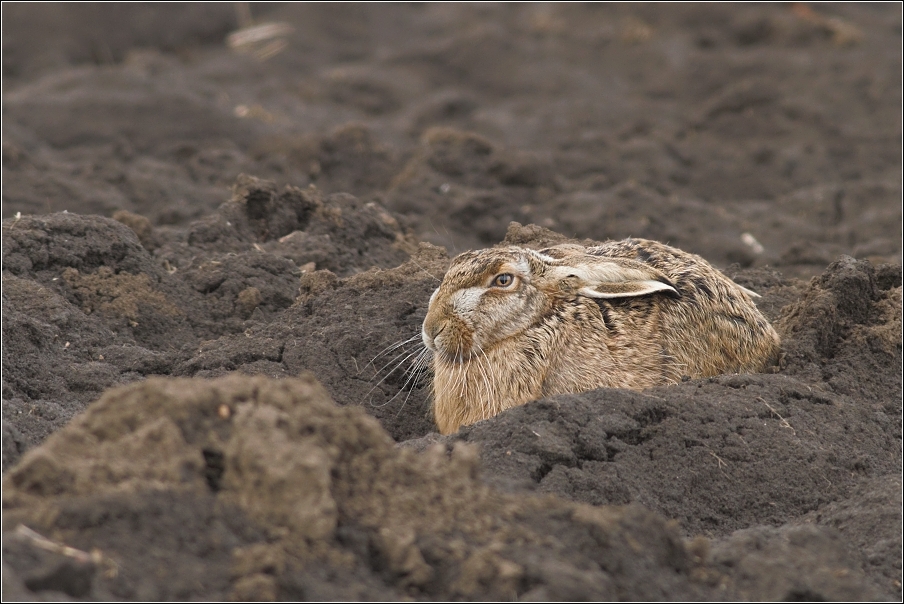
pixel 489 296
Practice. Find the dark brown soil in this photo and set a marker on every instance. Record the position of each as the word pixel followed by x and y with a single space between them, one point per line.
pixel 174 208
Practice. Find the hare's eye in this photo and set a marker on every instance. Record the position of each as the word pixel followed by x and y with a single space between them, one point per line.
pixel 503 280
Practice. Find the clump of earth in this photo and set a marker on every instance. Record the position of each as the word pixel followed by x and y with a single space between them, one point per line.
pixel 217 258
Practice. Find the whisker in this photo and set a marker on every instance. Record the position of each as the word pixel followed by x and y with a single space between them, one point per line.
pixel 449 235
pixel 385 377
pixel 461 375
pixel 486 402
pixel 390 362
pixel 392 347
pixel 411 372
pixel 420 365
pixel 451 240
pixel 429 274
pixel 477 387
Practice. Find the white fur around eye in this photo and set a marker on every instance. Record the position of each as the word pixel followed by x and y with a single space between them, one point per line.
pixel 465 300
pixel 433 296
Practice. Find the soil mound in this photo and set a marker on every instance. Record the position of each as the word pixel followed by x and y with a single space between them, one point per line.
pixel 283 494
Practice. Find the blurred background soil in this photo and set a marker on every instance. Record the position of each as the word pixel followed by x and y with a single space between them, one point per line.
pixel 180 200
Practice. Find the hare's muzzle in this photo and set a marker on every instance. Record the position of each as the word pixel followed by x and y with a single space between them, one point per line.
pixel 447 337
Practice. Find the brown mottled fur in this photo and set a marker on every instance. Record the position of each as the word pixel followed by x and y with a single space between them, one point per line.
pixel 666 314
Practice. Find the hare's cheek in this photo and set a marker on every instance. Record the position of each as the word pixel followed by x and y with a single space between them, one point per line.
pixel 506 316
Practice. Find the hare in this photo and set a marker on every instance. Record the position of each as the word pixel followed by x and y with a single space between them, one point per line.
pixel 509 325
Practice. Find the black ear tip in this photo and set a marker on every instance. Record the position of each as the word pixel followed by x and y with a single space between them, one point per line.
pixel 672 292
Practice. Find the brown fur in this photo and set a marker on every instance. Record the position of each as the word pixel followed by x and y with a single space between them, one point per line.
pixel 626 314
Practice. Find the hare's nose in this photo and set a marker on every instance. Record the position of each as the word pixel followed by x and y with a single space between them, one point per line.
pixel 431 330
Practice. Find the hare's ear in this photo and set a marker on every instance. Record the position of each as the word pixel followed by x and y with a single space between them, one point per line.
pixel 615 278
pixel 750 293
pixel 628 289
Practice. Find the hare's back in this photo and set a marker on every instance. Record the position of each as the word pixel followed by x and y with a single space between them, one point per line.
pixel 678 265
pixel 713 327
